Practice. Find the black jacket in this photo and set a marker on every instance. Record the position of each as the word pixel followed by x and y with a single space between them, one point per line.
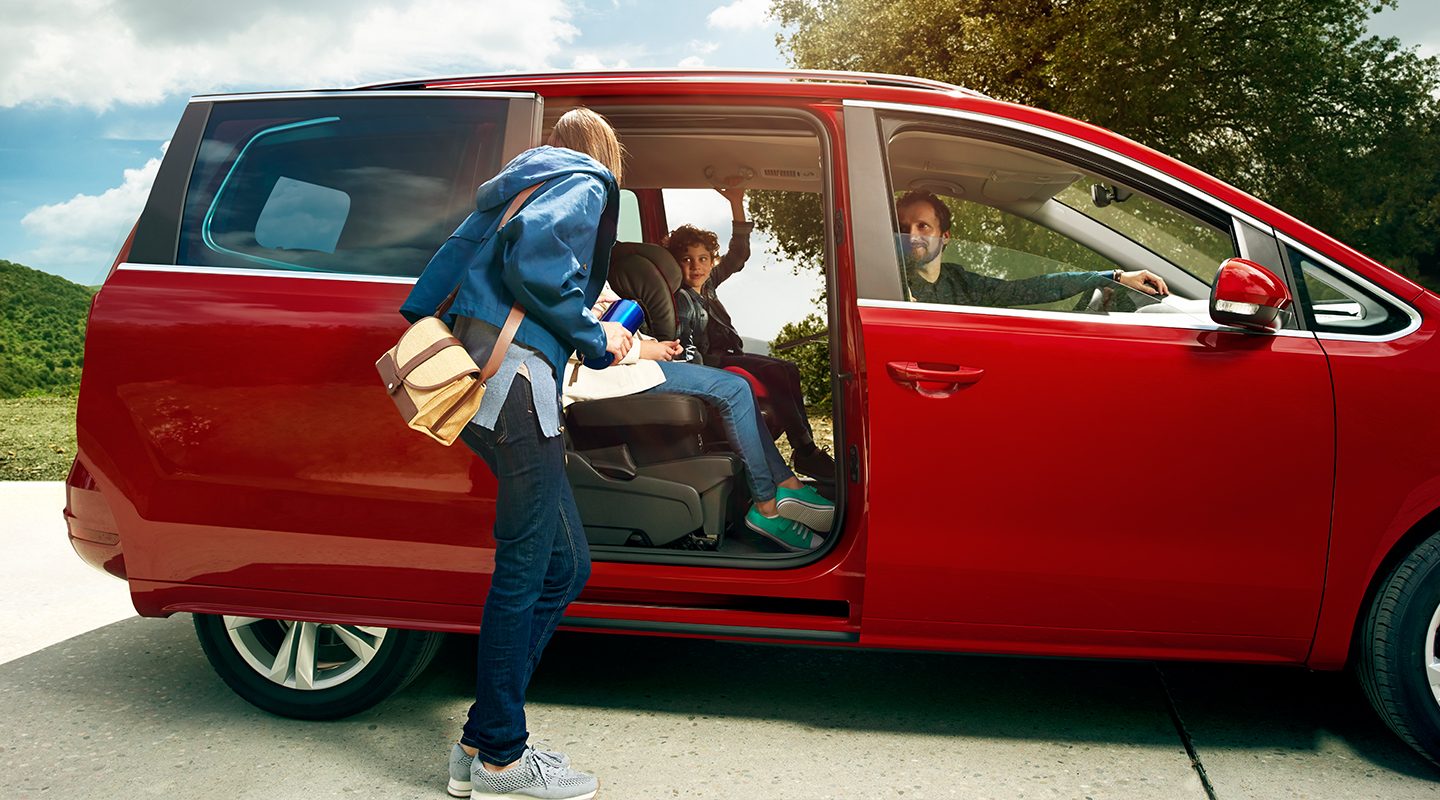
pixel 701 320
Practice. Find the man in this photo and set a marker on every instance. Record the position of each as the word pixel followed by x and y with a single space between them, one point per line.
pixel 924 232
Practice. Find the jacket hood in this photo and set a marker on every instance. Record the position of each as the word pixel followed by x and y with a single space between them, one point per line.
pixel 537 165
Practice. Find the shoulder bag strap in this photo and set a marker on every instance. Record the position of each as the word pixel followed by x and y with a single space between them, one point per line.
pixel 509 212
pixel 512 322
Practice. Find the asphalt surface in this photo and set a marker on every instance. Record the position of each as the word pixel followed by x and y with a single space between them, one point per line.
pixel 97 702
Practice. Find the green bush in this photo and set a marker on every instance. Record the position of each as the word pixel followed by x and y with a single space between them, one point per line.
pixel 42 332
pixel 812 357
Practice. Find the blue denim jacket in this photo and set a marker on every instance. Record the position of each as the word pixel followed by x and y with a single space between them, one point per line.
pixel 552 257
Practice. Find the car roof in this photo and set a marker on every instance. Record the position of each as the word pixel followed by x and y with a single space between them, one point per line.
pixel 754 80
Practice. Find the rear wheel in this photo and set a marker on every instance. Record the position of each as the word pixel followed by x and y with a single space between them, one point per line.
pixel 313 670
pixel 1399 665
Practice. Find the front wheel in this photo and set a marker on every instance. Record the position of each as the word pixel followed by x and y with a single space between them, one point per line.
pixel 1399 664
pixel 313 670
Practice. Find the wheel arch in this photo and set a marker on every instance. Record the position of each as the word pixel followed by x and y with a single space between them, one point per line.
pixel 1405 544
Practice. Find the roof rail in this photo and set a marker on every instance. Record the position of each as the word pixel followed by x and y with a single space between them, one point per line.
pixel 795 75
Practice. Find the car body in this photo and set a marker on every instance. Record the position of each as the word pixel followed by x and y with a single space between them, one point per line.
pixel 1104 483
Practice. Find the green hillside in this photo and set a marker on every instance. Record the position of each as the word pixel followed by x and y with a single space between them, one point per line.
pixel 42 332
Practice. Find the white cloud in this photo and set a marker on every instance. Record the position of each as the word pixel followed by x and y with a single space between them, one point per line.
pixel 84 232
pixel 690 62
pixel 97 53
pixel 741 15
pixel 592 61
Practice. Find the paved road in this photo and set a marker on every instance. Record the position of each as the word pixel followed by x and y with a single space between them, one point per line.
pixel 91 706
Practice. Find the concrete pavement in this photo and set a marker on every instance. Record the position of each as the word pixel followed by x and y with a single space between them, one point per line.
pixel 131 709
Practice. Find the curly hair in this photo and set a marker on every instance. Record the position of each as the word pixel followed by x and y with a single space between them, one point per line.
pixel 686 236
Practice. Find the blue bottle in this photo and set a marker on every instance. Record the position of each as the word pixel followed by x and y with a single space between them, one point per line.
pixel 625 312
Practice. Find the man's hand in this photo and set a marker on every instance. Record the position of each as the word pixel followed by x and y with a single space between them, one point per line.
pixel 1143 280
pixel 660 351
pixel 617 339
pixel 736 196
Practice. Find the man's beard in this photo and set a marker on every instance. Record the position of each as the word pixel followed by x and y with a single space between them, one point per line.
pixel 917 251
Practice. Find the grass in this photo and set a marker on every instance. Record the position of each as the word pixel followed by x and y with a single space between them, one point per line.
pixel 821 425
pixel 37 438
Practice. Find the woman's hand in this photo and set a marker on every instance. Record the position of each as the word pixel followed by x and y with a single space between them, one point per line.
pixel 617 339
pixel 660 351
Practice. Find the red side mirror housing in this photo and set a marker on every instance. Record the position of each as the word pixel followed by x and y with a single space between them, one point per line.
pixel 1247 295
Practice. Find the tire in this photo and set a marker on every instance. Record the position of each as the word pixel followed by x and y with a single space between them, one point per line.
pixel 348 668
pixel 1399 664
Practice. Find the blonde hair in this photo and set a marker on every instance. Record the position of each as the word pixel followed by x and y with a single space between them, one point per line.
pixel 583 130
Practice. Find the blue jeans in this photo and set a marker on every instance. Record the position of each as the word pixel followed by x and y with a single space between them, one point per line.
pixel 542 561
pixel 731 394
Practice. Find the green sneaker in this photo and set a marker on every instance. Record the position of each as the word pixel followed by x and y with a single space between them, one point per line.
pixel 806 506
pixel 787 533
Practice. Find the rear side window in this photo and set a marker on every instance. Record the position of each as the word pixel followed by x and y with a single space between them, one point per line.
pixel 1333 303
pixel 368 186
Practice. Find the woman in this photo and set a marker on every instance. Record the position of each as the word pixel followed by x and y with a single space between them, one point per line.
pixel 550 260
pixel 785 511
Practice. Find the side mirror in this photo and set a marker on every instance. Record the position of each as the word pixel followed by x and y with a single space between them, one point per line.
pixel 1248 296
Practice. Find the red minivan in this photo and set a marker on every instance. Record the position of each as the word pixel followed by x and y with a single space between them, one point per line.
pixel 1242 470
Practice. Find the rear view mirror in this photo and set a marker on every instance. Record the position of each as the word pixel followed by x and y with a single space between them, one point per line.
pixel 1248 296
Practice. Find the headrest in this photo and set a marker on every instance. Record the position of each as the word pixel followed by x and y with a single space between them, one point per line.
pixel 647 274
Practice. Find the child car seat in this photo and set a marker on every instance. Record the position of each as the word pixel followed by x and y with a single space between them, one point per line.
pixel 643 467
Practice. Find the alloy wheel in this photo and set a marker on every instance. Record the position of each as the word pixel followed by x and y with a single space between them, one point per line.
pixel 304 655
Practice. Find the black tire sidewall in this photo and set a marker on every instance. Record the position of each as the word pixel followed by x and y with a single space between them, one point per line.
pixel 1410 695
pixel 392 666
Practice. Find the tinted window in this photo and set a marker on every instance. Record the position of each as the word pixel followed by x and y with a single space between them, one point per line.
pixel 355 185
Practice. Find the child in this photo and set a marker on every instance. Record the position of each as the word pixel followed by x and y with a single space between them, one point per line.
pixel 709 337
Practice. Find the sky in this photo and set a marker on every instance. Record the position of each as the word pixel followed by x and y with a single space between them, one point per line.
pixel 90 90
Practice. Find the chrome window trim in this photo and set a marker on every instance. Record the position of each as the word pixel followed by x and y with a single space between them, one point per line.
pixel 268 273
pixel 1065 138
pixel 1364 283
pixel 341 94
pixel 1179 321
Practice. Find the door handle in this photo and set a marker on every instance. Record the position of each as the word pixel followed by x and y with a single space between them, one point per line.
pixel 911 374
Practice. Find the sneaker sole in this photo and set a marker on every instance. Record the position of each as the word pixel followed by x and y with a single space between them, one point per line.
pixel 487 796
pixel 792 548
pixel 814 517
pixel 458 788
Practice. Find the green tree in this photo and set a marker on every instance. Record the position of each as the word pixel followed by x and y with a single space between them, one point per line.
pixel 1290 100
pixel 812 357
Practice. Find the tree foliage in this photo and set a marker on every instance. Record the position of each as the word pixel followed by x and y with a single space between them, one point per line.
pixel 42 332
pixel 1290 100
pixel 813 359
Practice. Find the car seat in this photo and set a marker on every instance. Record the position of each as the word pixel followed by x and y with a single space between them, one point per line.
pixel 648 469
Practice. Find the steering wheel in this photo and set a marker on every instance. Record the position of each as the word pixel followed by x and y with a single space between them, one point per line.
pixel 1113 299
pixel 1095 301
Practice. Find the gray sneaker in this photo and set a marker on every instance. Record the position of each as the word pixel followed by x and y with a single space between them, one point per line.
pixel 459 785
pixel 539 775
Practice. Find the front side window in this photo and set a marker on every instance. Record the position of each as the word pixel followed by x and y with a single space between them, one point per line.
pixel 991 225
pixel 368 186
